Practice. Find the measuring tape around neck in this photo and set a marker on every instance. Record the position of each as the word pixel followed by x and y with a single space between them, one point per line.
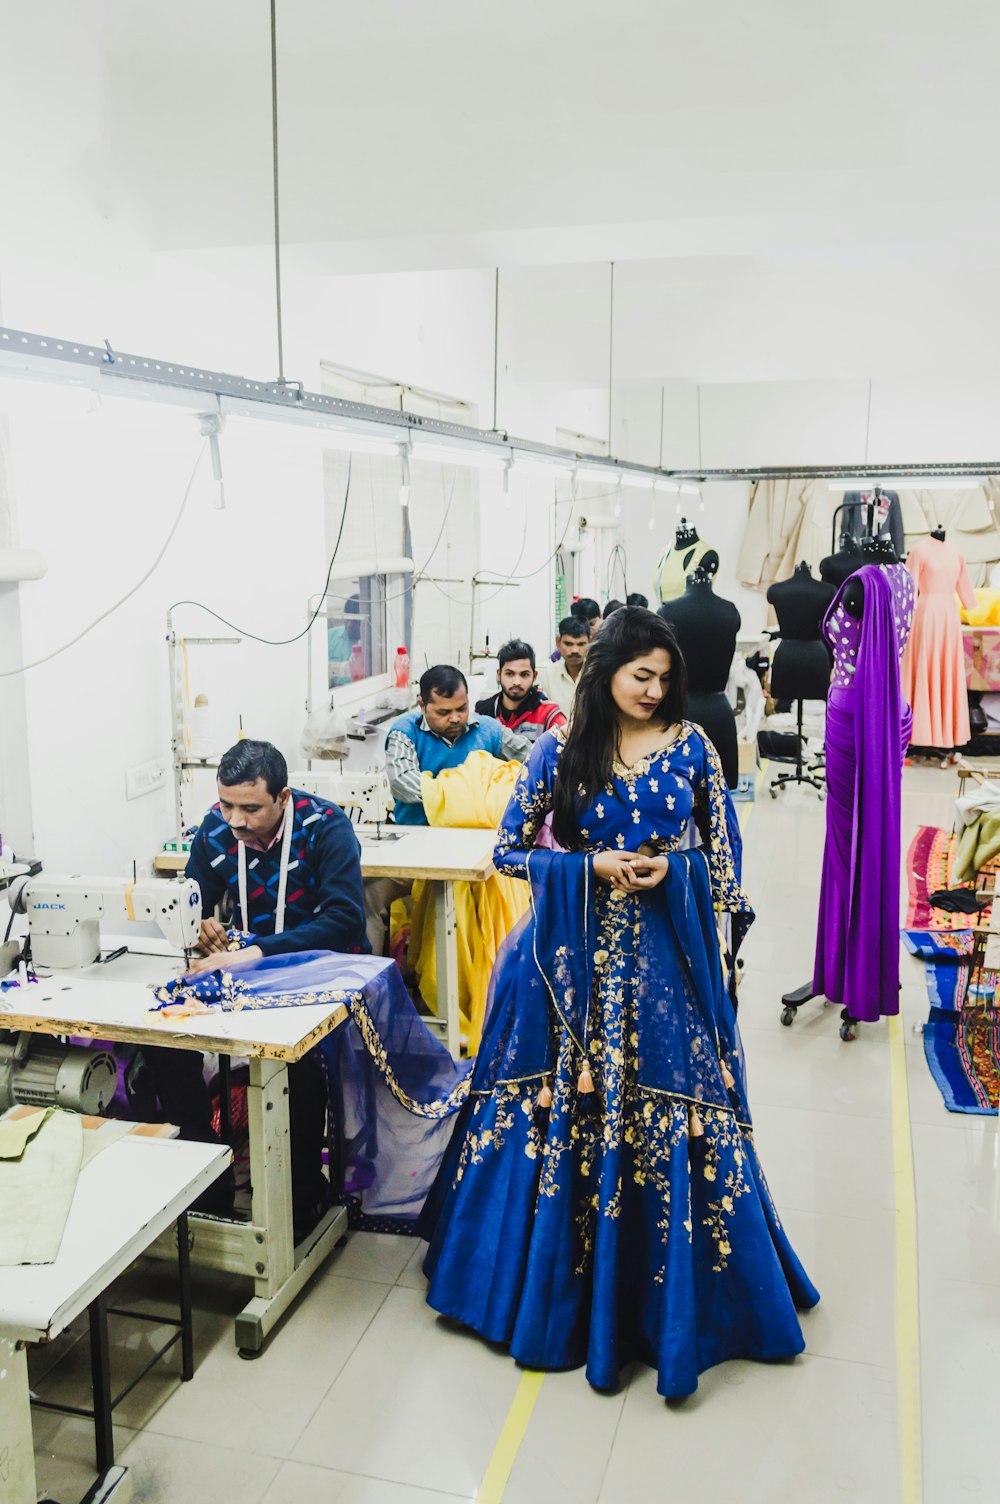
pixel 241 862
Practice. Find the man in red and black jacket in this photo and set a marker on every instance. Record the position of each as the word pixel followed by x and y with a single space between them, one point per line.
pixel 519 703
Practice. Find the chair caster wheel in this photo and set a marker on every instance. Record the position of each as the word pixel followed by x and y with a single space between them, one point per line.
pixel 773 792
pixel 788 1016
pixel 848 1032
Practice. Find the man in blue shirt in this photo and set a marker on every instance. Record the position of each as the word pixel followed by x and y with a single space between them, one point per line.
pixel 291 866
pixel 439 735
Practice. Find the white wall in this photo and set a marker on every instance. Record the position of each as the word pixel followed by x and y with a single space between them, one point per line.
pixel 100 507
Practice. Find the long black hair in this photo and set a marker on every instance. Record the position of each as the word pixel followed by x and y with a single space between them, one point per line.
pixel 585 763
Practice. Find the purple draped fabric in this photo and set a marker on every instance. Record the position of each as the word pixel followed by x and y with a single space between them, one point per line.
pixel 867 733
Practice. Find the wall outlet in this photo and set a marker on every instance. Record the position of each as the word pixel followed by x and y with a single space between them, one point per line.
pixel 144 778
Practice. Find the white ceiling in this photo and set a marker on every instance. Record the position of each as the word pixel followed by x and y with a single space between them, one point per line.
pixel 578 128
pixel 784 188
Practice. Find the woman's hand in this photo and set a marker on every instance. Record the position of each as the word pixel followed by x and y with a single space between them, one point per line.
pixel 649 871
pixel 628 872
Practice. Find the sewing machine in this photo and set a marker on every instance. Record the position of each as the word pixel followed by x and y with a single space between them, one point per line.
pixel 367 792
pixel 65 913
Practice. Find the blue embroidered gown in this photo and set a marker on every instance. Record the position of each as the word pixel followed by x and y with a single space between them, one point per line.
pixel 633 1222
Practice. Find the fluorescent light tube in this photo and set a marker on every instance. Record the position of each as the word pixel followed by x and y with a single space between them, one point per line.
pixel 910 483
pixel 460 454
pixel 548 469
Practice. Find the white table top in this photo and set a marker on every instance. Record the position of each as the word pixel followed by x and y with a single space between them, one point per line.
pixel 124 1199
pixel 114 1001
pixel 444 852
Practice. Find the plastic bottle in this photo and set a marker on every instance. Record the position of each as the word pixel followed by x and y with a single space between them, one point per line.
pixel 356 666
pixel 402 668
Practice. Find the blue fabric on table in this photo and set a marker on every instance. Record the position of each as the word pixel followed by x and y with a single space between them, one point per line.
pixel 394 1087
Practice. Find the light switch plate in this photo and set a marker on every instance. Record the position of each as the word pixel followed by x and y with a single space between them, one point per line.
pixel 144 778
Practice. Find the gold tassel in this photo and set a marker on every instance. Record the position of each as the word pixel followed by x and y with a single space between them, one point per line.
pixel 544 1098
pixel 585 1083
pixel 728 1079
pixel 696 1128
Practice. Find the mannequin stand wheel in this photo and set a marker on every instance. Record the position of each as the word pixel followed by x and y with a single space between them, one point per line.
pixel 791 1002
pixel 802 774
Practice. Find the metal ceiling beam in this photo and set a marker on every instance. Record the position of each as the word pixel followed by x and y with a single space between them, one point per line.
pixel 68 360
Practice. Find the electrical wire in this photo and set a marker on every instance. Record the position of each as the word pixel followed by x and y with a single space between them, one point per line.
pixel 619 557
pixel 284 642
pixel 47 658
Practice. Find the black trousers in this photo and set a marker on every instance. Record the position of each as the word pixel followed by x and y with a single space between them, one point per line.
pixel 182 1096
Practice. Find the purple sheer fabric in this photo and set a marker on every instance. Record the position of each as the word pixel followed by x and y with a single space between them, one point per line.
pixel 867 732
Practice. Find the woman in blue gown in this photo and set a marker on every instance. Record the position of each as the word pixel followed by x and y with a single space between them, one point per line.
pixel 601 1199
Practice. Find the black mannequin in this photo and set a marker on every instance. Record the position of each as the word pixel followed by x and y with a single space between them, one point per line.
pixel 801 668
pixel 838 567
pixel 707 628
pixel 873 551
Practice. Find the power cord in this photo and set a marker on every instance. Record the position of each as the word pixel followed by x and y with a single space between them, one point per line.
pixel 9 673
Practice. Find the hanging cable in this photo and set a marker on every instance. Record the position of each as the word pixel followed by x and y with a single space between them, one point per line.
pixel 47 658
pixel 274 172
pixel 285 642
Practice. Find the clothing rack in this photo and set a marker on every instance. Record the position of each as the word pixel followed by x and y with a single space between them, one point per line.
pixel 870 516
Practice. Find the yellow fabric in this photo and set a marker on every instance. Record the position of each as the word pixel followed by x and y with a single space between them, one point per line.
pixel 978 845
pixel 15 1132
pixel 474 796
pixel 986 612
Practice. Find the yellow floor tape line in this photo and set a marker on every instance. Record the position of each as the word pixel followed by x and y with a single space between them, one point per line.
pixel 907 1291
pixel 491 1490
pixel 745 809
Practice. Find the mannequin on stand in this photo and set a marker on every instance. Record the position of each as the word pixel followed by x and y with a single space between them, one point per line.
pixel 707 627
pixel 801 668
pixel 838 567
pixel 867 732
pixel 933 668
pixel 687 552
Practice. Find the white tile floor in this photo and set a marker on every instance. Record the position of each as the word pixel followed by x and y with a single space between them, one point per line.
pixel 364 1397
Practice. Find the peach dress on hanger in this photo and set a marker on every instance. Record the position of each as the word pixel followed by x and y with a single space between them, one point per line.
pixel 933 667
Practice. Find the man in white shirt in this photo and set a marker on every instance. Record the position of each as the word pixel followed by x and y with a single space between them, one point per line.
pixel 559 679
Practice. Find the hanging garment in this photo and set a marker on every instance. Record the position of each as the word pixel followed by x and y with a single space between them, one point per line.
pixel 602 1200
pixel 854 519
pixel 474 795
pixel 867 733
pixel 788 520
pixel 394 1088
pixel 933 667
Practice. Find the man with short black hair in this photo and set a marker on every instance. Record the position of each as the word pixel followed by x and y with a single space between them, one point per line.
pixel 588 610
pixel 636 599
pixel 440 734
pixel 519 703
pixel 291 865
pixel 558 680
